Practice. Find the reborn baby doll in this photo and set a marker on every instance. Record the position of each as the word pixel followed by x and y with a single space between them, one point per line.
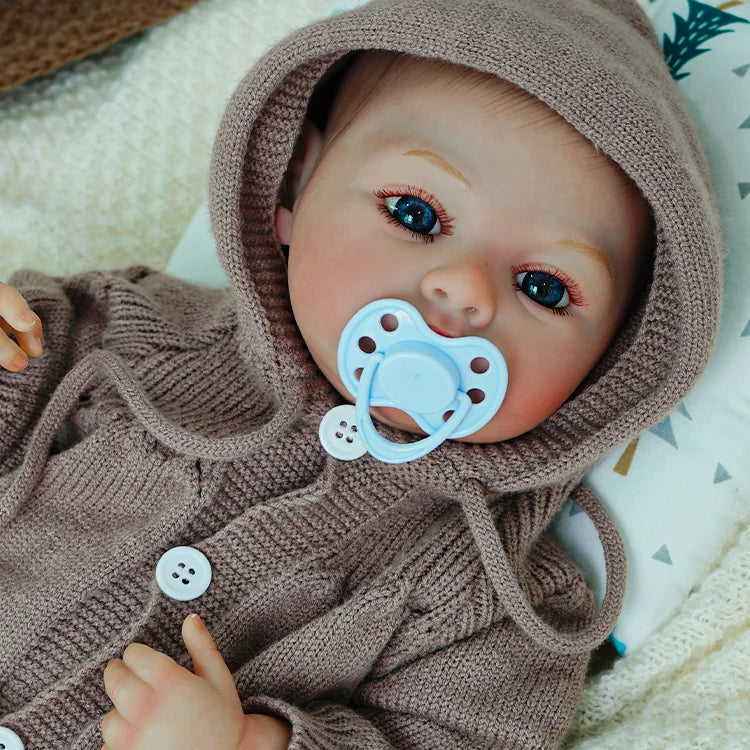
pixel 353 602
pixel 513 251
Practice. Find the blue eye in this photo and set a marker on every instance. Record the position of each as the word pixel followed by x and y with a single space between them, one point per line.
pixel 413 213
pixel 543 288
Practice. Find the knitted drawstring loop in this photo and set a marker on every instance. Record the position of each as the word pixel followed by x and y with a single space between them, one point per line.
pixel 516 604
pixel 180 440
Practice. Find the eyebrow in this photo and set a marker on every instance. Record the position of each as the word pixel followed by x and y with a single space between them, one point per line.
pixel 439 162
pixel 592 252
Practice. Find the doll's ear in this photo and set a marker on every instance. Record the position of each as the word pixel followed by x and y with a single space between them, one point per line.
pixel 304 158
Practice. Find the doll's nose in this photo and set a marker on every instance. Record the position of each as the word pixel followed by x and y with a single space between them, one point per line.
pixel 464 288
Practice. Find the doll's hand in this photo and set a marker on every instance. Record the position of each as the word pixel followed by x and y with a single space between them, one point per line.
pixel 28 333
pixel 159 704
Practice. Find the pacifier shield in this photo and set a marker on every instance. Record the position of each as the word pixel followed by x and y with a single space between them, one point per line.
pixel 418 377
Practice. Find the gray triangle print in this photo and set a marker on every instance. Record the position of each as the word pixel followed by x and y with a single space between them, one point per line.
pixel 662 555
pixel 681 408
pixel 745 124
pixel 721 474
pixel 574 509
pixel 744 188
pixel 746 332
pixel 741 70
pixel 664 431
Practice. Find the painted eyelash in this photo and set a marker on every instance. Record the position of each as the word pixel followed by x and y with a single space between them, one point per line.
pixel 446 221
pixel 574 292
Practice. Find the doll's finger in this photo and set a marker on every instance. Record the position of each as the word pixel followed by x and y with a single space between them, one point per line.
pixel 207 661
pixel 12 356
pixel 132 697
pixel 15 310
pixel 34 330
pixel 29 341
pixel 152 667
pixel 117 733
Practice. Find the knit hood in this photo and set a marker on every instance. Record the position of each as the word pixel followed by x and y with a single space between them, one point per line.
pixel 577 56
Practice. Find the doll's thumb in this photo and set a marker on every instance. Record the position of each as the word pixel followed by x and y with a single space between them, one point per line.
pixel 207 661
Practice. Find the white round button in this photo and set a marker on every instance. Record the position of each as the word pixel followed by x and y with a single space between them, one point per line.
pixel 9 740
pixel 183 573
pixel 338 433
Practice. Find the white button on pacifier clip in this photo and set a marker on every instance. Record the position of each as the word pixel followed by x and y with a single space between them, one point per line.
pixel 339 434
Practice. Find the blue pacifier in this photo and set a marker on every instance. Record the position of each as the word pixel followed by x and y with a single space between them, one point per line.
pixel 451 387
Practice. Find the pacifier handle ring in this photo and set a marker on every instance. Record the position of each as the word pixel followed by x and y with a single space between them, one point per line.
pixel 390 452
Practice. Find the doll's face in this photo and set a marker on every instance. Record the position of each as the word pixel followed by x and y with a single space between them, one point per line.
pixel 488 226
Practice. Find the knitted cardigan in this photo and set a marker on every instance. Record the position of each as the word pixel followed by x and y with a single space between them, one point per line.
pixel 371 605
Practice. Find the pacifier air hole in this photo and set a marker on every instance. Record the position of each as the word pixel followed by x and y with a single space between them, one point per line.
pixel 479 365
pixel 476 395
pixel 367 345
pixel 389 322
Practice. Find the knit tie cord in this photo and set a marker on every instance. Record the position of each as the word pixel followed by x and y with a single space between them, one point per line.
pixel 479 518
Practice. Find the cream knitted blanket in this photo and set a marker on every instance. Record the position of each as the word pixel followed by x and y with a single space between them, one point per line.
pixel 102 166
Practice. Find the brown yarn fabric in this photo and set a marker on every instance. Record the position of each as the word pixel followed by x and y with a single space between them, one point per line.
pixel 372 605
pixel 39 36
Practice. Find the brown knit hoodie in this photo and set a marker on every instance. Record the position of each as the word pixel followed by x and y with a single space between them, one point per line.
pixel 372 605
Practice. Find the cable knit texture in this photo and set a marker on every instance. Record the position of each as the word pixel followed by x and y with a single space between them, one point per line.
pixel 371 605
pixel 37 38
